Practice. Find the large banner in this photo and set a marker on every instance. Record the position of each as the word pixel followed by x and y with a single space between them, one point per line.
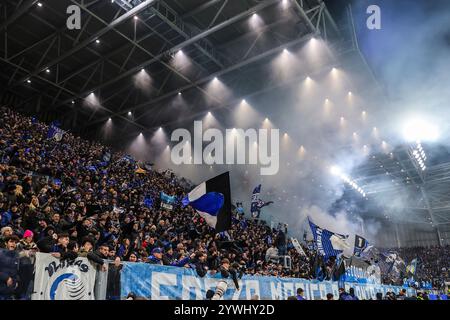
pixel 57 279
pixel 171 283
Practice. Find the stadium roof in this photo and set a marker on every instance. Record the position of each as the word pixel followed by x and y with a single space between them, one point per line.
pixel 118 38
pixel 87 76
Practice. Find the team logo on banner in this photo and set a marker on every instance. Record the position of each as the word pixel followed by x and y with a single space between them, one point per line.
pixel 57 279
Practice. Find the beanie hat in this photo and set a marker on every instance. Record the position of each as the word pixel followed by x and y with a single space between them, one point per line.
pixel 28 233
pixel 156 250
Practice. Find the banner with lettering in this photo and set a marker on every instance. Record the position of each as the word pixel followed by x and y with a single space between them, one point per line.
pixel 57 279
pixel 157 282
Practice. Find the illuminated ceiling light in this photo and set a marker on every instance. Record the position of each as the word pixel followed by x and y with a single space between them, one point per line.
pixel 179 93
pixel 342 118
pixel 109 119
pixel 375 129
pixel 28 81
pixel 73 102
pixel 160 128
pixel 135 18
pixel 97 41
pixel 308 78
pixel 180 51
pixel 420 130
pixel 141 134
pixel 47 70
pixel 209 113
pixel 327 100
pixel 336 171
pixel 215 79
pixel 39 4
pixel 129 113
pixel 142 69
pixel 243 101
pixel 285 50
pixel 349 93
pixel 266 119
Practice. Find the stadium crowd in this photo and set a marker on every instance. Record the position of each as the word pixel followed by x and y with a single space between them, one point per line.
pixel 71 197
pixel 433 263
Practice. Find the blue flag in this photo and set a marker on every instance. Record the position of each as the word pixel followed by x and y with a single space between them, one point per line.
pixel 255 197
pixel 328 243
pixel 212 201
pixel 55 133
pixel 167 201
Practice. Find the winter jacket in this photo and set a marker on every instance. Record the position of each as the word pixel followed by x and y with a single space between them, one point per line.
pixel 201 268
pixel 9 267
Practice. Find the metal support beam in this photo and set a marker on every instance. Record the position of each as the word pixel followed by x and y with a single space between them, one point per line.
pixel 200 8
pixel 188 42
pixel 18 13
pixel 217 74
pixel 430 211
pixel 93 37
pixel 170 16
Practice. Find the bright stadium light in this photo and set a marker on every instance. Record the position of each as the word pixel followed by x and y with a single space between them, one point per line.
pixel 420 130
pixel 336 171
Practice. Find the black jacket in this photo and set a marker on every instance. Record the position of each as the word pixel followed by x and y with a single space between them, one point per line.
pixel 201 268
pixel 9 267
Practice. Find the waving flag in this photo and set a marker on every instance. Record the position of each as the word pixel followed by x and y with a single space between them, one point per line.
pixel 412 267
pixel 55 133
pixel 139 170
pixel 361 244
pixel 167 201
pixel 212 201
pixel 328 243
pixel 257 204
pixel 255 197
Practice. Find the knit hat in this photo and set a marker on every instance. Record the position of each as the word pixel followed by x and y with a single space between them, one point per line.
pixel 156 250
pixel 28 233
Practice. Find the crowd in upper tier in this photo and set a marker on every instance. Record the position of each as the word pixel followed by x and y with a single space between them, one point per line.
pixel 69 198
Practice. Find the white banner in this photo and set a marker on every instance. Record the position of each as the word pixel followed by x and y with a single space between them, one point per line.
pixel 57 279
